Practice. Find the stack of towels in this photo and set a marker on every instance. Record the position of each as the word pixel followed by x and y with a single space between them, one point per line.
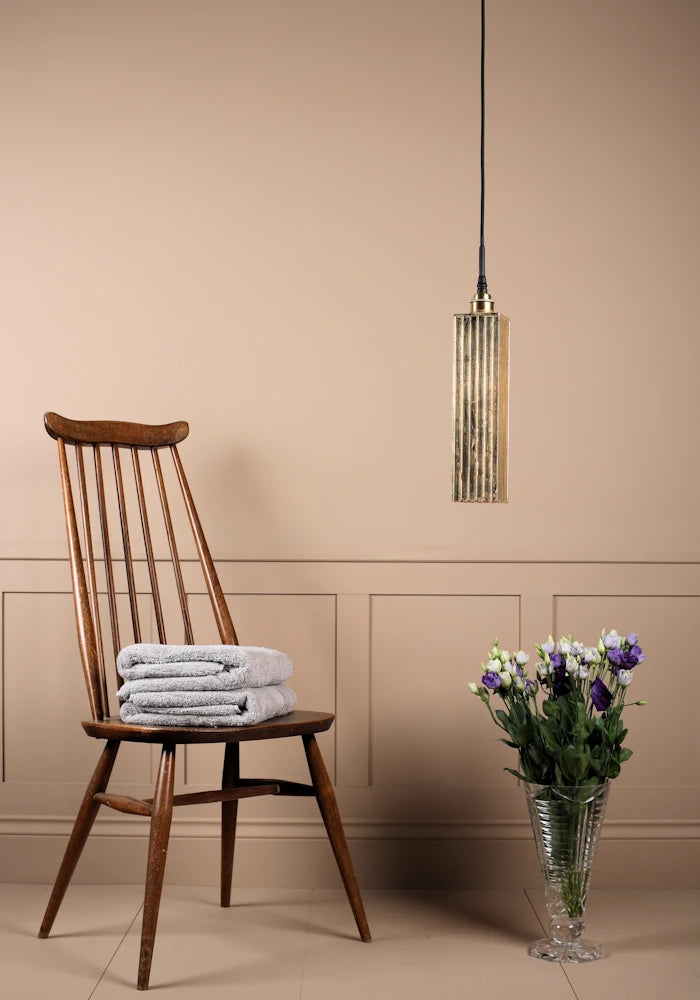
pixel 203 685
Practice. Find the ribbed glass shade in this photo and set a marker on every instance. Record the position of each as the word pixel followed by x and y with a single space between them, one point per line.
pixel 480 416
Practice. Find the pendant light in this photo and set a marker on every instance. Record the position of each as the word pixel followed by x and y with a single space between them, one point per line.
pixel 481 375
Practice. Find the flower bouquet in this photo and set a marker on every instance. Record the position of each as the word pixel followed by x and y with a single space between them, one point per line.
pixel 567 728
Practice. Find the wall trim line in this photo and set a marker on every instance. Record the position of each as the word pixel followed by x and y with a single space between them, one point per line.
pixel 356 829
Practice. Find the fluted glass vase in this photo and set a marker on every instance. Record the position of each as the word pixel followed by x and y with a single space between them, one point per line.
pixel 566 822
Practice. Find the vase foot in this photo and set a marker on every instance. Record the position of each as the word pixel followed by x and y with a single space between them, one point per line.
pixel 566 951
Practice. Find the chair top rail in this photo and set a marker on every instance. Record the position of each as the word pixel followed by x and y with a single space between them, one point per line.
pixel 115 432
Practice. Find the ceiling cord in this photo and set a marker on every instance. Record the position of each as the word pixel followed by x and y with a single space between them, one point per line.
pixel 481 285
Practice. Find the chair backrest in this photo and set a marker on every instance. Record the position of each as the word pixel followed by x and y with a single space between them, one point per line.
pixel 124 444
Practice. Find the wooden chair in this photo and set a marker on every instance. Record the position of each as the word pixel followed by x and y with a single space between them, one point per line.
pixel 129 442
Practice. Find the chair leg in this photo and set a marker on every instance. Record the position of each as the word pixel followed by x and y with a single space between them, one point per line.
pixel 325 797
pixel 161 817
pixel 229 814
pixel 81 829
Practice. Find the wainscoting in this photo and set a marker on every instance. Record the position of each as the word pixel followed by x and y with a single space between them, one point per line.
pixel 390 647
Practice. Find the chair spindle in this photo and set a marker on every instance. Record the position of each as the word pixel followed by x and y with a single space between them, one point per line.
pixel 189 637
pixel 155 591
pixel 106 551
pixel 92 580
pixel 224 623
pixel 86 629
pixel 128 561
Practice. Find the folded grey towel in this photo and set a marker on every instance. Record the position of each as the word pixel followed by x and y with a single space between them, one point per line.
pixel 227 680
pixel 232 666
pixel 246 707
pixel 164 701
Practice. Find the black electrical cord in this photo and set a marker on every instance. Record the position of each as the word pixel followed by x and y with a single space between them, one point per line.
pixel 481 285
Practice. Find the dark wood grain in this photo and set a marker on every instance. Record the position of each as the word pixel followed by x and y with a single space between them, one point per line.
pixel 294 788
pixel 106 550
pixel 161 818
pixel 325 797
pixel 172 544
pixel 227 795
pixel 81 829
pixel 126 544
pixel 87 641
pixel 98 434
pixel 293 724
pixel 124 803
pixel 115 432
pixel 227 632
pixel 92 582
pixel 229 814
pixel 148 544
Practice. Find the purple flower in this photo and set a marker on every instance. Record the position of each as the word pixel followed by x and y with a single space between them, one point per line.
pixel 557 661
pixel 528 686
pixel 615 656
pixel 625 659
pixel 519 671
pixel 632 638
pixel 600 695
pixel 560 682
pixel 491 680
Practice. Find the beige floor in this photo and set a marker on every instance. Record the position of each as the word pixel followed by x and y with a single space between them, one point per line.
pixel 300 945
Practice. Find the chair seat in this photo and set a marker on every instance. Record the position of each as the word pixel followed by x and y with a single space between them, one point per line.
pixel 292 724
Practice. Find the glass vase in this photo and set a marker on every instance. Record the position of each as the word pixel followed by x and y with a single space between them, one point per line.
pixel 566 822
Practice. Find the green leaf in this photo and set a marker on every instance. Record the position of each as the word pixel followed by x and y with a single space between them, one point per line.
pixel 596 765
pixel 574 762
pixel 518 775
pixel 625 754
pixel 548 738
pixel 550 708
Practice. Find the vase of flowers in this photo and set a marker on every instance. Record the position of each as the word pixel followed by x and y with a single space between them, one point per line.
pixel 568 731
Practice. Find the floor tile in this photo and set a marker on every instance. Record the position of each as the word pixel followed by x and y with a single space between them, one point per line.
pixel 66 966
pixel 257 946
pixel 441 943
pixel 303 945
pixel 652 944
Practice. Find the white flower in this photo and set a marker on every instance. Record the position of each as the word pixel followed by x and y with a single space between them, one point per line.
pixel 591 655
pixel 624 677
pixel 612 640
pixel 571 664
pixel 577 648
pixel 494 665
pixel 506 679
pixel 521 658
pixel 474 688
pixel 583 673
pixel 505 655
pixel 510 667
pixel 543 669
pixel 519 683
pixel 564 647
pixel 548 646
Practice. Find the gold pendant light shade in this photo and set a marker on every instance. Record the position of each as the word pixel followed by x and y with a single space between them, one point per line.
pixel 480 409
pixel 481 376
